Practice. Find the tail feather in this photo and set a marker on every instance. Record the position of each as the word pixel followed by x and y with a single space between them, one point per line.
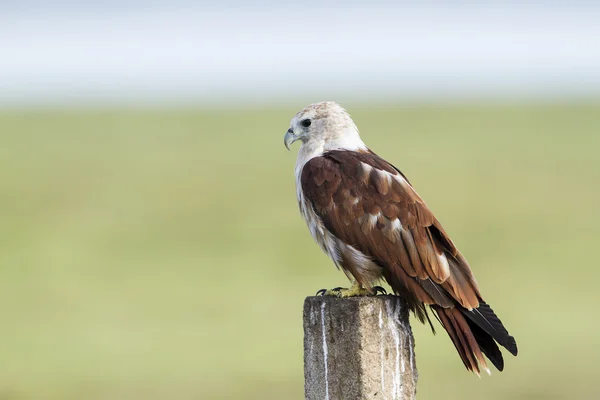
pixel 449 327
pixel 475 333
pixel 484 317
pixel 462 337
pixel 487 345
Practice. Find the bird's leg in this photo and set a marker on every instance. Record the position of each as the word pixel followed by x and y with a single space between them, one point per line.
pixel 355 291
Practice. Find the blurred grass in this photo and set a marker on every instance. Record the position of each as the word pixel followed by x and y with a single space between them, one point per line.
pixel 160 254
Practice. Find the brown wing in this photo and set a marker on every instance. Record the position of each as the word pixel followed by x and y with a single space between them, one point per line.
pixel 367 203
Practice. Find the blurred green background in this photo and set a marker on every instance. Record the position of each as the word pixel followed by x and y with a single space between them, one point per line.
pixel 160 253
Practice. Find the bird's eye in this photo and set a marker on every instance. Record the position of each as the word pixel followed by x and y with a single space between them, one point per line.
pixel 306 123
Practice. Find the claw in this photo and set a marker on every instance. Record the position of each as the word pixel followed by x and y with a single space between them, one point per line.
pixel 355 291
pixel 379 289
pixel 325 292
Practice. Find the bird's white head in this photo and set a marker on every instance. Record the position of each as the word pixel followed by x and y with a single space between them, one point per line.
pixel 323 127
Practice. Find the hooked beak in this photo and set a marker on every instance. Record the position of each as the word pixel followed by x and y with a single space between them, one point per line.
pixel 289 138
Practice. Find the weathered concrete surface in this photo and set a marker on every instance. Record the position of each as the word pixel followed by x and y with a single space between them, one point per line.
pixel 358 348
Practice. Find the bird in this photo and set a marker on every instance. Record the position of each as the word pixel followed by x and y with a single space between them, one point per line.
pixel 367 217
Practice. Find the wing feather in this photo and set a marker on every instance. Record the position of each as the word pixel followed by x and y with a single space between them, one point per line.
pixel 367 203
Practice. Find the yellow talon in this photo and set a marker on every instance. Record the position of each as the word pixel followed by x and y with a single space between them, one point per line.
pixel 355 291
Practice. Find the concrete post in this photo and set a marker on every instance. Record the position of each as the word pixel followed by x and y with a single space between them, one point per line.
pixel 358 348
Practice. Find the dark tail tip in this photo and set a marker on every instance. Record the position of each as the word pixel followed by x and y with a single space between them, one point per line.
pixel 474 333
pixel 484 317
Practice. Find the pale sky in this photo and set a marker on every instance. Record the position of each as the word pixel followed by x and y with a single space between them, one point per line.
pixel 183 51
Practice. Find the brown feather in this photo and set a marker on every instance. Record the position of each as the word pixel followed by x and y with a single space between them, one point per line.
pixel 352 210
pixel 369 205
pixel 455 338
